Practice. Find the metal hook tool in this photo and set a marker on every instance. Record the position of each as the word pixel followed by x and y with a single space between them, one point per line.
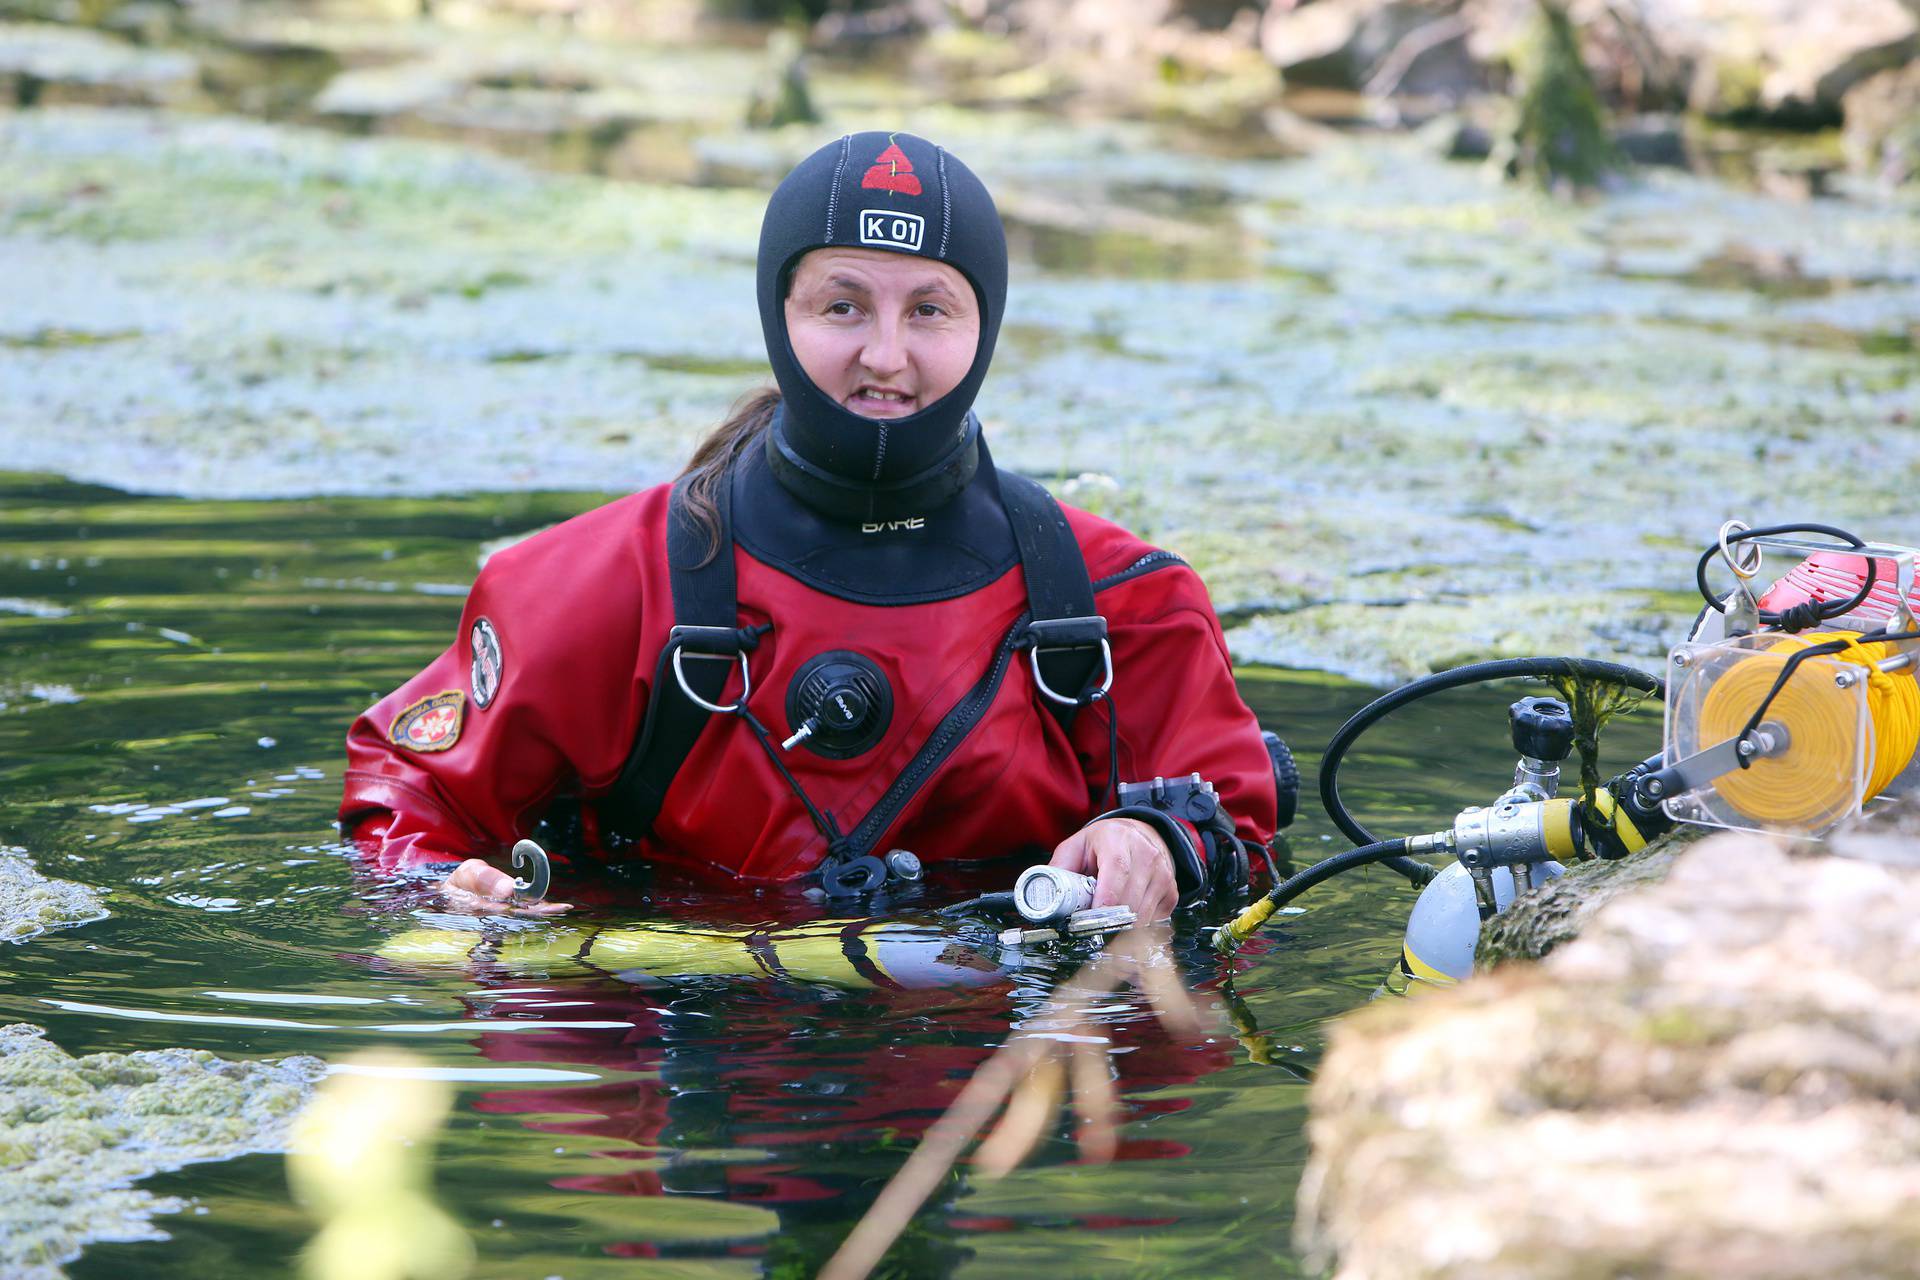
pixel 1743 606
pixel 529 892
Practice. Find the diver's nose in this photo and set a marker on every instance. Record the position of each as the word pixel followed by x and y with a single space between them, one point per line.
pixel 885 352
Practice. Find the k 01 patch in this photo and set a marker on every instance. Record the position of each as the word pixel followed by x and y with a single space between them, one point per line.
pixel 431 724
pixel 894 230
pixel 488 664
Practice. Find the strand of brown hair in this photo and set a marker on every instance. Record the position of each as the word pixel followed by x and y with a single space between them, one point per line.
pixel 714 456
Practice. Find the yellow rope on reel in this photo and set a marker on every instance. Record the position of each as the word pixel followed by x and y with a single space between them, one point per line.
pixel 1810 785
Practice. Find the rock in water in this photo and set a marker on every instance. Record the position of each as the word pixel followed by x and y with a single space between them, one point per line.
pixel 31 903
pixel 1883 125
pixel 74 1132
pixel 1560 132
pixel 41 63
pixel 1349 43
pixel 781 98
pixel 1558 910
pixel 1720 1077
pixel 1783 61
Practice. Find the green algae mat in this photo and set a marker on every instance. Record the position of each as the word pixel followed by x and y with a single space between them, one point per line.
pixel 1398 415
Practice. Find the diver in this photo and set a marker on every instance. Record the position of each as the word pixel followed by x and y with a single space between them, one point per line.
pixel 842 633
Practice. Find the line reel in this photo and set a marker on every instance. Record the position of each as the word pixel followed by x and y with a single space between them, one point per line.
pixel 1789 711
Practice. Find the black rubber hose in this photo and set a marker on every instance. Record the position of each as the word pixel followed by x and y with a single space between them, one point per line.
pixel 985 904
pixel 1825 610
pixel 1327 868
pixel 1477 673
pixel 1228 937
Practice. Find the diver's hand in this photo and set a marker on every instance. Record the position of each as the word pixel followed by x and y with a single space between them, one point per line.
pixel 478 886
pixel 1129 862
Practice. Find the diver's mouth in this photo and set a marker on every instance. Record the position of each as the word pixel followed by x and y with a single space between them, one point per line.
pixel 881 402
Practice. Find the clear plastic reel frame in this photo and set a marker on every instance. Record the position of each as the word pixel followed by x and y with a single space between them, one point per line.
pixel 1819 781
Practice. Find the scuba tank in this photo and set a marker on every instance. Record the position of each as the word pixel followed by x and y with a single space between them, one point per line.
pixel 851 954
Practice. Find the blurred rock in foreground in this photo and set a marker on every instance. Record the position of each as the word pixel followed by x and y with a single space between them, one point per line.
pixel 1720 1077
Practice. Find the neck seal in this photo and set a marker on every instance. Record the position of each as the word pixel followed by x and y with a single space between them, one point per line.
pixel 837 497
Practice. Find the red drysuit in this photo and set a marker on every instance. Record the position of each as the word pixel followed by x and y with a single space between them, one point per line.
pixel 560 639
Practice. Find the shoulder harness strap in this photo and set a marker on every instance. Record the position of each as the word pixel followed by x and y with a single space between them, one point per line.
pixel 706 627
pixel 1066 639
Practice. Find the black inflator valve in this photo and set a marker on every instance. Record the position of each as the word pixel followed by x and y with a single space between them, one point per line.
pixel 1542 728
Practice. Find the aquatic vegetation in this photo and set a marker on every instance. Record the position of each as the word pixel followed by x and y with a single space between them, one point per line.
pixel 781 98
pixel 32 903
pixel 1594 704
pixel 1387 639
pixel 1362 391
pixel 74 1132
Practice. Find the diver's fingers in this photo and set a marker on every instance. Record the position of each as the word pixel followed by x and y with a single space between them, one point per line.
pixel 1072 853
pixel 541 908
pixel 1161 891
pixel 1100 850
pixel 1155 975
pixel 458 899
pixel 1116 884
pixel 478 888
pixel 480 878
pixel 1129 862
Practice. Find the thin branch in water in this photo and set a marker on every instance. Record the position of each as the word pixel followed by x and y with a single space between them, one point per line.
pixel 1028 1074
pixel 1030 1114
pixel 1096 1100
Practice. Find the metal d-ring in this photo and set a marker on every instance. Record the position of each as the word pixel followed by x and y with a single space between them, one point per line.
pixel 529 892
pixel 746 681
pixel 1106 656
pixel 1732 557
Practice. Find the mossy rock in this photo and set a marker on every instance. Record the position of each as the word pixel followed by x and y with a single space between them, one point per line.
pixel 32 903
pixel 1718 1077
pixel 1560 134
pixel 1557 911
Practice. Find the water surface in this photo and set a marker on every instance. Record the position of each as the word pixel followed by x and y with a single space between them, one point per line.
pixel 177 676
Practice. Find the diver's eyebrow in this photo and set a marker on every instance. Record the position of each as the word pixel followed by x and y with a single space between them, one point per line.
pixel 930 288
pixel 846 282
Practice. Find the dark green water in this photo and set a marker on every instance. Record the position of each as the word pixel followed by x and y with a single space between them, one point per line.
pixel 176 679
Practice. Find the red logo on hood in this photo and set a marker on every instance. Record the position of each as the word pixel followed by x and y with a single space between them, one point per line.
pixel 892 171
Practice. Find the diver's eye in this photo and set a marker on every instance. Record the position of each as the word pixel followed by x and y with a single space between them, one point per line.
pixel 927 310
pixel 841 308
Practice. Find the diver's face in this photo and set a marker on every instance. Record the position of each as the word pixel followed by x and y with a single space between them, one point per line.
pixel 884 334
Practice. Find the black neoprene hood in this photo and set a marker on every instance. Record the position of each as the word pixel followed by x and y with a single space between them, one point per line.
pixel 901 194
